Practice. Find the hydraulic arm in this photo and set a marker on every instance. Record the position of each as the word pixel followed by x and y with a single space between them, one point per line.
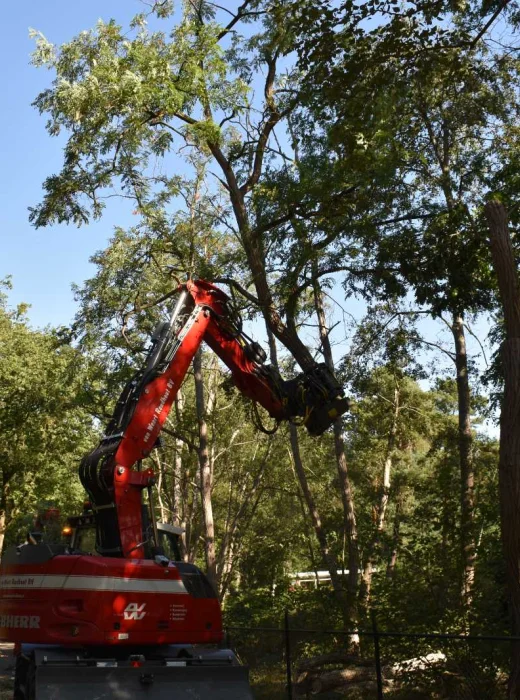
pixel 202 313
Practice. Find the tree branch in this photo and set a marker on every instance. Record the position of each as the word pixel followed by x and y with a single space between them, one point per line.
pixel 236 18
pixel 488 24
pixel 233 283
pixel 407 217
pixel 273 118
pixel 178 436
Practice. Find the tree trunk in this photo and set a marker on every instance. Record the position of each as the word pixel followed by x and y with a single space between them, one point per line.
pixel 447 532
pixel 159 469
pixel 253 246
pixel 381 508
pixel 347 498
pixel 206 475
pixel 176 494
pixel 328 558
pixel 396 540
pixel 2 528
pixel 4 515
pixel 467 475
pixel 237 524
pixel 509 461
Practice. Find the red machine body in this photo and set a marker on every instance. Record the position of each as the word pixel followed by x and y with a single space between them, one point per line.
pixel 84 600
pixel 130 593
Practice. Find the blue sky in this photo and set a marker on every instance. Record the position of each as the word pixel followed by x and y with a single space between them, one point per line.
pixel 45 262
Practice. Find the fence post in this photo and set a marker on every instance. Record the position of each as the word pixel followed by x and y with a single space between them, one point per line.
pixel 288 656
pixel 377 655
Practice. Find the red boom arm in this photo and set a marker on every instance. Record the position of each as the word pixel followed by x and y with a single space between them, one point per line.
pixel 202 313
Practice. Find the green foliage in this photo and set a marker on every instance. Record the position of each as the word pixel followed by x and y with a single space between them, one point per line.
pixel 119 96
pixel 45 431
pixel 417 111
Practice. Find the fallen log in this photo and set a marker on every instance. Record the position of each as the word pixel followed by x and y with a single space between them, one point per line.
pixel 313 679
pixel 338 657
pixel 334 679
pixel 420 663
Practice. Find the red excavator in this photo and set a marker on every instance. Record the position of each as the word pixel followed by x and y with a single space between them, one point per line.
pixel 127 621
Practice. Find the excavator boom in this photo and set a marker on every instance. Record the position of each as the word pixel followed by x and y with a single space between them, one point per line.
pixel 202 313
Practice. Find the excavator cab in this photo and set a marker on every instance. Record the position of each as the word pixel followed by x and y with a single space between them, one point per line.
pixel 80 535
pixel 169 537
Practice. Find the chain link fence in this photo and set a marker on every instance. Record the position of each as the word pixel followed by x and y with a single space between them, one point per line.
pixel 287 664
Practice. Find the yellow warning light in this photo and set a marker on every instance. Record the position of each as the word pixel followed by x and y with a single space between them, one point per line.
pixel 66 530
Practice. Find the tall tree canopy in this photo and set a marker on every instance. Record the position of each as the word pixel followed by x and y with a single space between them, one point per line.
pixel 45 431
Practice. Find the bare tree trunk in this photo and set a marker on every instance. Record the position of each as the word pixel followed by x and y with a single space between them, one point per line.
pixel 467 476
pixel 186 518
pixel 509 462
pixel 2 528
pixel 206 473
pixel 226 571
pixel 176 494
pixel 381 507
pixel 447 532
pixel 4 509
pixel 347 498
pixel 328 558
pixel 160 485
pixel 396 540
pixel 309 538
pixel 236 525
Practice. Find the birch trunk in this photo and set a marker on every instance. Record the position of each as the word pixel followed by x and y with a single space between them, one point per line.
pixel 381 507
pixel 206 472
pixel 177 506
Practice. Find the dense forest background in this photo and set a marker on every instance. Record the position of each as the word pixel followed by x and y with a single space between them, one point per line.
pixel 328 164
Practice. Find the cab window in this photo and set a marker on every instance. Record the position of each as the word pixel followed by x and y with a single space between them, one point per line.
pixel 170 544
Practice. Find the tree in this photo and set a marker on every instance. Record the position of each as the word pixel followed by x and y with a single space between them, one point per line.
pixel 422 106
pixel 509 465
pixel 45 430
pixel 127 100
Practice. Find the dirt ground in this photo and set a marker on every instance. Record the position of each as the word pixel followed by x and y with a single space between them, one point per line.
pixel 6 671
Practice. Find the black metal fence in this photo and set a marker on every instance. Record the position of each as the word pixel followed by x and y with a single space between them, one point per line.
pixel 287 663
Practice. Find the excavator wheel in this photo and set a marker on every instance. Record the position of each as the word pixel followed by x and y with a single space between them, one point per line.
pixel 24 678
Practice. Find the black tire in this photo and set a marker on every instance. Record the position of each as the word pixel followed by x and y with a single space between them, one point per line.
pixel 30 688
pixel 24 678
pixel 20 673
